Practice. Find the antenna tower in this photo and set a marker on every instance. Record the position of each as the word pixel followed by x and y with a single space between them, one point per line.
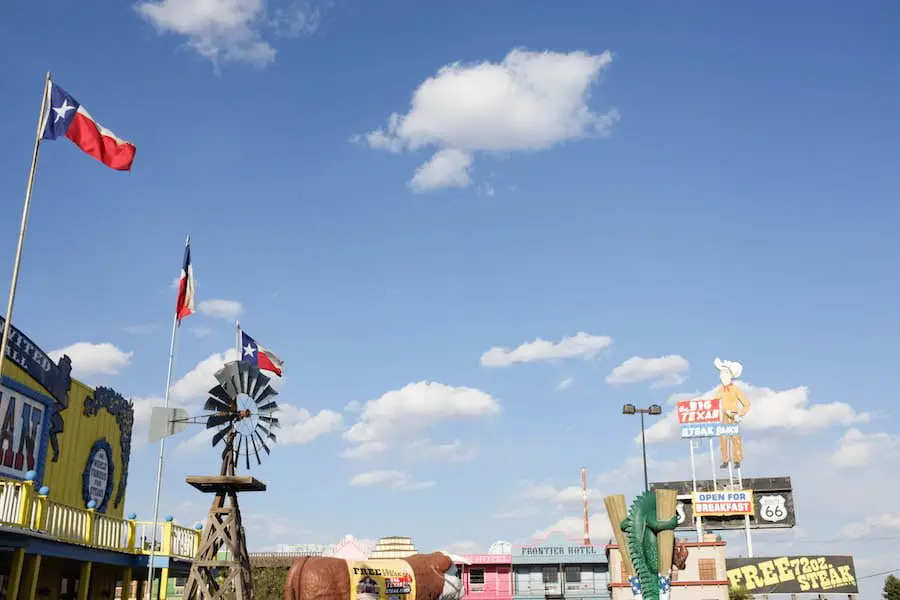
pixel 584 498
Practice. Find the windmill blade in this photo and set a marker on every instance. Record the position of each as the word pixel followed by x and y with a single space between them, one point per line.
pixel 225 375
pixel 244 376
pixel 247 451
pixel 216 405
pixel 261 382
pixel 220 393
pixel 272 421
pixel 255 450
pixel 261 442
pixel 268 433
pixel 268 392
pixel 219 419
pixel 219 435
pixel 268 407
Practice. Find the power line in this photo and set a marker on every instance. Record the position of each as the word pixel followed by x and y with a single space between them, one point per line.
pixel 877 574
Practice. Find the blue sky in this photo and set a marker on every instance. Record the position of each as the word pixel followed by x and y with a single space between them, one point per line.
pixel 723 183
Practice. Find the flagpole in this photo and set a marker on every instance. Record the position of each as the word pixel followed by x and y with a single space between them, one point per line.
pixel 237 340
pixel 162 451
pixel 7 323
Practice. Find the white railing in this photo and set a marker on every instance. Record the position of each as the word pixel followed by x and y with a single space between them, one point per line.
pixel 10 502
pixel 110 533
pixel 184 542
pixel 66 522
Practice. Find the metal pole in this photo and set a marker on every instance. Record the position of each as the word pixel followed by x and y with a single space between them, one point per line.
pixel 746 518
pixel 697 521
pixel 159 469
pixel 7 323
pixel 644 449
pixel 712 463
pixel 237 340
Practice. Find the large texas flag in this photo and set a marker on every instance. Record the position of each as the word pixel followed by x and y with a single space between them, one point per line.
pixel 67 118
pixel 259 356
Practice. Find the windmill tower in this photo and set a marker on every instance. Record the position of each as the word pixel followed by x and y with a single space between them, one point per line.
pixel 241 408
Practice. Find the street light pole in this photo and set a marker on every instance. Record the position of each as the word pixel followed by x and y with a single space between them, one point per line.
pixel 653 409
pixel 644 450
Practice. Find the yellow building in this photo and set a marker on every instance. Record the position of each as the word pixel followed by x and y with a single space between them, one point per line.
pixel 64 455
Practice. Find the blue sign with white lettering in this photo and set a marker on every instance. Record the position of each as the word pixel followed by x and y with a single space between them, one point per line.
pixel 709 430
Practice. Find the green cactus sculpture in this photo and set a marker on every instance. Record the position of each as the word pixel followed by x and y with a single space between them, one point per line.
pixel 641 528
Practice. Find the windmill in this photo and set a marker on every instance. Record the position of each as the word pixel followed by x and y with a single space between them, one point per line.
pixel 241 409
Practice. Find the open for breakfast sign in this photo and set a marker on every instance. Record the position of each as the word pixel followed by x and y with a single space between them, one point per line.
pixel 702 418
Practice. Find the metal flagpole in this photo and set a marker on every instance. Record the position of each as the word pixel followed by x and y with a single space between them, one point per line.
pixel 159 469
pixel 7 323
pixel 237 340
pixel 712 462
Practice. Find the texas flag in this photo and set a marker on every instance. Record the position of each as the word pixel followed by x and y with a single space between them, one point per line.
pixel 184 305
pixel 66 117
pixel 259 356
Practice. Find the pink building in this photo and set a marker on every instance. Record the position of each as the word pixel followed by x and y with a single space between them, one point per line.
pixel 489 577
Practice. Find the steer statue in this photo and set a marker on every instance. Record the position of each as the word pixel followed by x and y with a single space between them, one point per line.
pixel 432 576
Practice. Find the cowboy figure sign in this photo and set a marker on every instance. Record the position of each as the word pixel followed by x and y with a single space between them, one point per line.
pixel 734 406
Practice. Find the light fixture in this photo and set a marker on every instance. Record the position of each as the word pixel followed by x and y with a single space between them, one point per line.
pixel 655 409
pixel 629 409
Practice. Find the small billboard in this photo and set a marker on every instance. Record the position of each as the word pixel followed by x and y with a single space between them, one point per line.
pixel 702 418
pixel 772 498
pixel 808 574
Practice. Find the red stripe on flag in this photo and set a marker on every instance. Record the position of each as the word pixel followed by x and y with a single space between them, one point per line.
pixel 85 133
pixel 267 363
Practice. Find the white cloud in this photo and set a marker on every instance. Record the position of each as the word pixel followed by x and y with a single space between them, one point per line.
pixel 299 426
pixel 771 410
pixel 666 370
pixel 221 309
pixel 94 359
pixel 573 528
pixel 856 449
pixel 879 524
pixel 229 30
pixel 529 101
pixel 452 452
pixel 397 480
pixel 557 496
pixel 565 384
pixel 417 406
pixel 448 167
pixel 580 345
pixel 364 450
pixel 353 406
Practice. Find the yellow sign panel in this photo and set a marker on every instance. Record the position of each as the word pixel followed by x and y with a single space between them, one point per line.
pixel 381 579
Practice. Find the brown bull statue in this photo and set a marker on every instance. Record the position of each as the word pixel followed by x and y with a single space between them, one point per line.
pixel 432 576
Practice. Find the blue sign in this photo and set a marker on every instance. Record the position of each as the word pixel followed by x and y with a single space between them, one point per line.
pixel 709 430
pixel 97 479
